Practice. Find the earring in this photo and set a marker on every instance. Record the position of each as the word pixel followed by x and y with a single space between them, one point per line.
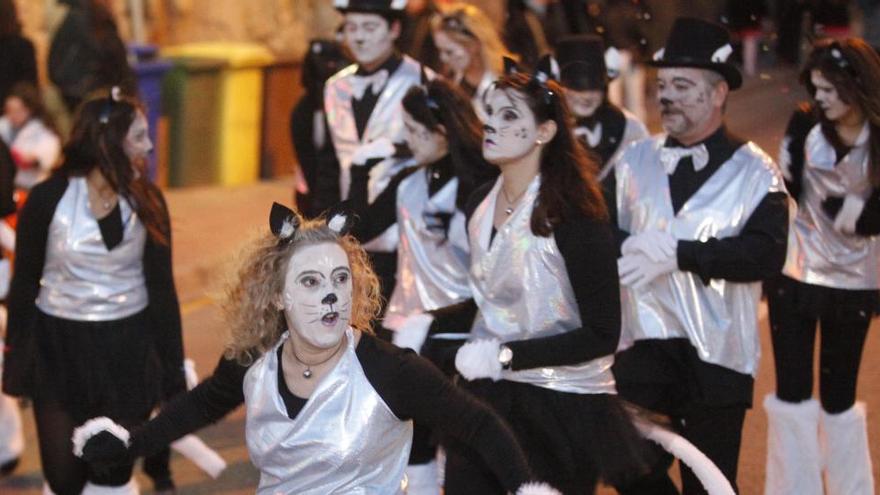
pixel 539 142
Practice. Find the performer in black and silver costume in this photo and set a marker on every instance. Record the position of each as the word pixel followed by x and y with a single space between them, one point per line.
pixel 362 107
pixel 831 161
pixel 94 322
pixel 329 407
pixel 703 219
pixel 586 68
pixel 426 202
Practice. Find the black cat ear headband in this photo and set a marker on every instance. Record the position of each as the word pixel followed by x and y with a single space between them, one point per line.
pixel 284 222
pixel 115 96
pixel 546 70
pixel 431 103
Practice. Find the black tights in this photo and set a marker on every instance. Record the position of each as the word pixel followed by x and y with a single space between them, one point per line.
pixel 65 473
pixel 843 316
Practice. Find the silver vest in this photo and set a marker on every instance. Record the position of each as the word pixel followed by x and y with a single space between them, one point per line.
pixel 81 279
pixel 817 253
pixel 345 440
pixel 634 131
pixel 720 319
pixel 431 269
pixel 522 290
pixel 385 121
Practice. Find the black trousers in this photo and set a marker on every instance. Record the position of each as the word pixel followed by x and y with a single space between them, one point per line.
pixel 667 377
pixel 843 317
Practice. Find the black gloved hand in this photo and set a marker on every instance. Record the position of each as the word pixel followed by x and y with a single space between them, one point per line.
pixel 105 450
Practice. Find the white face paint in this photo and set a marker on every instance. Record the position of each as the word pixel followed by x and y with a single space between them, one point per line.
pixel 510 131
pixel 453 54
pixel 317 294
pixel 583 104
pixel 828 98
pixel 427 147
pixel 685 99
pixel 369 37
pixel 137 144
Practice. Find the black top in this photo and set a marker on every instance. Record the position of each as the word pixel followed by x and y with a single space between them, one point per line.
pixel 799 126
pixel 17 63
pixel 595 282
pixel 7 181
pixel 758 252
pixel 111 228
pixel 30 255
pixel 410 386
pixel 363 108
pixel 613 128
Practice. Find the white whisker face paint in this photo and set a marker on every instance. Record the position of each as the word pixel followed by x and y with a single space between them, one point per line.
pixel 317 294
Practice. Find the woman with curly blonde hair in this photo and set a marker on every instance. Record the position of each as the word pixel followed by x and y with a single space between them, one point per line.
pixel 329 406
pixel 470 48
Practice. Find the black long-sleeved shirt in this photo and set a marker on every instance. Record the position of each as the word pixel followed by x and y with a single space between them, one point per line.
pixel 758 252
pixel 30 255
pixel 595 283
pixel 799 126
pixel 410 386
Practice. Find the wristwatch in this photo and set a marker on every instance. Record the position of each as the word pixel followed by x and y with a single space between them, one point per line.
pixel 505 357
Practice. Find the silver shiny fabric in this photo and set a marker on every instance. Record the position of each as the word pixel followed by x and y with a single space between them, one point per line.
pixel 720 319
pixel 634 131
pixel 345 440
pixel 431 267
pixel 522 290
pixel 81 279
pixel 817 253
pixel 385 121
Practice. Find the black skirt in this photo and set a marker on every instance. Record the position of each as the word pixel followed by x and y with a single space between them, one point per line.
pixel 97 368
pixel 579 438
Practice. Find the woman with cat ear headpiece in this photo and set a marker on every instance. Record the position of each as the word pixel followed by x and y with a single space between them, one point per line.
pixel 329 407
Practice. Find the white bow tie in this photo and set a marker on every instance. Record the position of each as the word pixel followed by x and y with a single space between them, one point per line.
pixel 375 80
pixel 592 136
pixel 669 157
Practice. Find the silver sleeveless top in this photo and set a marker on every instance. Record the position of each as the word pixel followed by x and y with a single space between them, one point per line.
pixel 719 319
pixel 81 279
pixel 344 441
pixel 522 290
pixel 817 253
pixel 431 268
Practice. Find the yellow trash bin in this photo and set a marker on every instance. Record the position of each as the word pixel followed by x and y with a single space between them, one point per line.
pixel 241 109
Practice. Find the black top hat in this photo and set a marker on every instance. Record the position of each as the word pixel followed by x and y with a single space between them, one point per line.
pixel 582 62
pixel 371 6
pixel 700 44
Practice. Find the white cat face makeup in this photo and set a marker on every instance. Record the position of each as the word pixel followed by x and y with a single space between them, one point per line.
pixel 369 37
pixel 453 55
pixel 317 294
pixel 828 98
pixel 686 101
pixel 583 104
pixel 510 131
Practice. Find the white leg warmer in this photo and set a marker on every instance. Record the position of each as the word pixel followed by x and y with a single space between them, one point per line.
pixel 130 488
pixel 11 432
pixel 847 458
pixel 793 458
pixel 422 479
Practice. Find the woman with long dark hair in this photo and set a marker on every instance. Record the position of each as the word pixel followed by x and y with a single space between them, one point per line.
pixel 548 318
pixel 425 202
pixel 831 161
pixel 94 323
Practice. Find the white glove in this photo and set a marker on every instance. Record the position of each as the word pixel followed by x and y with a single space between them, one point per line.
pixel 479 359
pixel 845 221
pixel 655 244
pixel 535 488
pixel 637 271
pixel 83 433
pixel 413 331
pixel 379 148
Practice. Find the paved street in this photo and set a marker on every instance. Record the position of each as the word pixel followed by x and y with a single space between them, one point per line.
pixel 211 224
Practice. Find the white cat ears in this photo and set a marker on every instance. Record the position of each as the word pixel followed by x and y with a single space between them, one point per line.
pixel 283 222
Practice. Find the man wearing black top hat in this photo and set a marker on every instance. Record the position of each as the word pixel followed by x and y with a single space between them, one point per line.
pixel 586 68
pixel 703 218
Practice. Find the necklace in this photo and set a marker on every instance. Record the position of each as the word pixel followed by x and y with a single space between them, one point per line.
pixel 513 202
pixel 106 201
pixel 307 374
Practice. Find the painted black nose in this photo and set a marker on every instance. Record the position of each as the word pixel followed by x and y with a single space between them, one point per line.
pixel 329 299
